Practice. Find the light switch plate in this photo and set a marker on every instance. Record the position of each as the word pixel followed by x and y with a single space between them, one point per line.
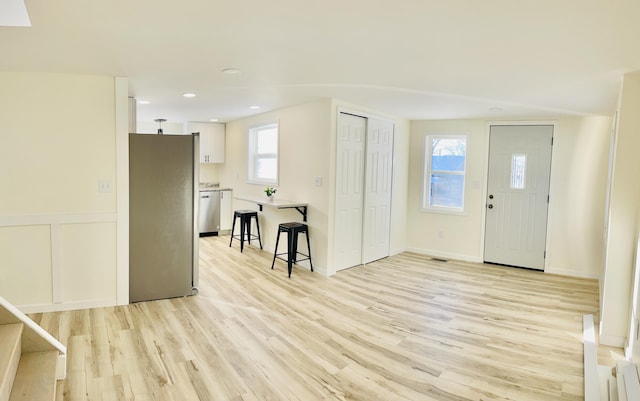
pixel 104 186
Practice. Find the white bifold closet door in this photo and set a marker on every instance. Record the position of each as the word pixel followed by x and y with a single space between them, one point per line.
pixel 363 190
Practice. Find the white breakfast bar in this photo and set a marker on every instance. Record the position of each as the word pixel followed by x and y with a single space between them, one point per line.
pixel 291 229
pixel 278 204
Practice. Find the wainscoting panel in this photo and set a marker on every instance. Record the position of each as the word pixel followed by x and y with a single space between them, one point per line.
pixel 58 262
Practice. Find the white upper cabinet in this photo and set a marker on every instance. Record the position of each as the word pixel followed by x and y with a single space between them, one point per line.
pixel 211 140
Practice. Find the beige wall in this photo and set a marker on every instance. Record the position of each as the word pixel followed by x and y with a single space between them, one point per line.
pixel 307 151
pixel 399 202
pixel 577 189
pixel 623 209
pixel 58 231
pixel 578 178
pixel 451 236
pixel 304 149
pixel 57 142
pixel 25 264
pixel 210 172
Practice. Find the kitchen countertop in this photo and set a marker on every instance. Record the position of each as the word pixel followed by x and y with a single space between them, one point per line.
pixel 212 186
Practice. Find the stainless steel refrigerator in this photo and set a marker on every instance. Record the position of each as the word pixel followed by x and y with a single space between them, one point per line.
pixel 163 210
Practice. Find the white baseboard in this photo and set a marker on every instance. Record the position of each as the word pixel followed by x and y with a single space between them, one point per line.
pixel 612 341
pixel 475 259
pixel 66 306
pixel 397 251
pixel 570 272
pixel 320 270
pixel 446 255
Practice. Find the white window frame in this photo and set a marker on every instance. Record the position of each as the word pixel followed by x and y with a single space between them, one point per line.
pixel 427 171
pixel 253 156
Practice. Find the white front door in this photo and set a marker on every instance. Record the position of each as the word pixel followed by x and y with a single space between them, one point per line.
pixel 518 195
pixel 377 192
pixel 349 190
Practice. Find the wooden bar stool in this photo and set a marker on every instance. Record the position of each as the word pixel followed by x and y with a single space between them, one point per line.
pixel 245 227
pixel 292 230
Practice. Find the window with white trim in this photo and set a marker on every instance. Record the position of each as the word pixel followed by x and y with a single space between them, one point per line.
pixel 263 154
pixel 444 172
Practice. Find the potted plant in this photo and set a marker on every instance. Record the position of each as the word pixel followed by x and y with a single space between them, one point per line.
pixel 270 191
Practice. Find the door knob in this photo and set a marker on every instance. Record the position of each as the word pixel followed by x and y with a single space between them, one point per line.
pixel 490 206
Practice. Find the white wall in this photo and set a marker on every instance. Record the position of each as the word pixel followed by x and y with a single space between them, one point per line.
pixel 633 342
pixel 57 230
pixel 448 235
pixel 307 151
pixel 577 190
pixel 304 149
pixel 168 127
pixel 623 208
pixel 578 177
pixel 400 186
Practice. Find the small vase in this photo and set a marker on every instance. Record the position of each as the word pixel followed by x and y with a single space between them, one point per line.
pixel 270 198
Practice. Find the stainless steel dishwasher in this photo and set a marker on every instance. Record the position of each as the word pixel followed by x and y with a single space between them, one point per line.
pixel 209 219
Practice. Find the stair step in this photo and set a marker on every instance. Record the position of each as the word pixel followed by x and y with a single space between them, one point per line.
pixel 36 377
pixel 10 350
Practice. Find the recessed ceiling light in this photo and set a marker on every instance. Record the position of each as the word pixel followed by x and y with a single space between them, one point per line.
pixel 213 120
pixel 254 107
pixel 189 95
pixel 495 109
pixel 143 102
pixel 231 71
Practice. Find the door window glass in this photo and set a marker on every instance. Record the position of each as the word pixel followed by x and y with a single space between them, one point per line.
pixel 518 171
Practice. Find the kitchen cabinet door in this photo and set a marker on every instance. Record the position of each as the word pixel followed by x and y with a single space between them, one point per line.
pixel 226 214
pixel 212 141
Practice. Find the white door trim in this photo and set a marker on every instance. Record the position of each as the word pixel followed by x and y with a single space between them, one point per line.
pixel 364 114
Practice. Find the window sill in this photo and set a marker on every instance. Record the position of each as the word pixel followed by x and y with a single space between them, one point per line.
pixel 437 210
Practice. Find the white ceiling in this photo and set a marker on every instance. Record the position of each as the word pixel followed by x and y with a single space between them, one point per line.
pixel 13 13
pixel 418 59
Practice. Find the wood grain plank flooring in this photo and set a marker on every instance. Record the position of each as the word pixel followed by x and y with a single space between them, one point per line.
pixel 403 328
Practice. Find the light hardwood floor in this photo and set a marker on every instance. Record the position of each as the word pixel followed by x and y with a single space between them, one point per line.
pixel 403 328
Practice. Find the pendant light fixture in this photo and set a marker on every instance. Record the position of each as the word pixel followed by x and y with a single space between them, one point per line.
pixel 160 121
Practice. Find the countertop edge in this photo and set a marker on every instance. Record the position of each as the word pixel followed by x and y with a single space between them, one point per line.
pixel 215 189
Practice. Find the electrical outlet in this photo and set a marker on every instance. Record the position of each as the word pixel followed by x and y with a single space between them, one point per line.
pixel 318 181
